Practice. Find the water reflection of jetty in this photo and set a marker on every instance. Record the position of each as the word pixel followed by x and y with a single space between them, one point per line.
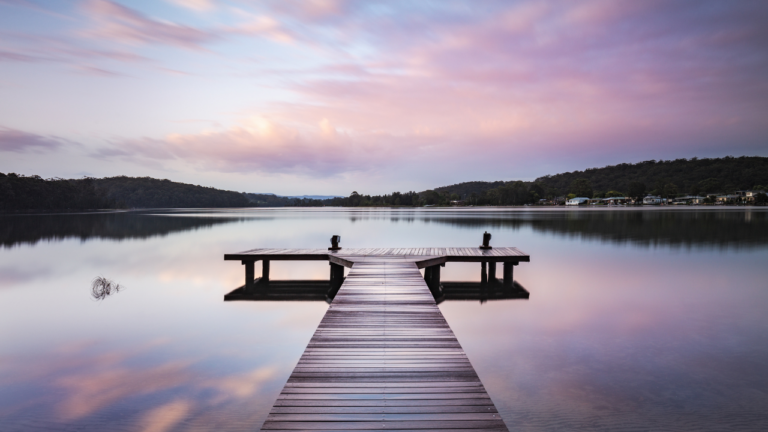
pixel 383 357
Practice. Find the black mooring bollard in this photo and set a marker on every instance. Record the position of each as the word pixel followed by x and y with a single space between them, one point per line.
pixel 335 243
pixel 486 241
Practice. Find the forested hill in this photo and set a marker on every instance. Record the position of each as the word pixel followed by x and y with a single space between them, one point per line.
pixel 18 192
pixel 689 175
pixel 694 176
pixel 468 188
pixel 21 193
pixel 147 192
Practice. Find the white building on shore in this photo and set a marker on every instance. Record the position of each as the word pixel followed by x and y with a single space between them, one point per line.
pixel 577 201
pixel 654 200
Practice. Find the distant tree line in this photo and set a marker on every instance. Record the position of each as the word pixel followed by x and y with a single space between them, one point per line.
pixel 147 192
pixel 663 178
pixel 667 179
pixel 358 200
pixel 18 192
pixel 271 200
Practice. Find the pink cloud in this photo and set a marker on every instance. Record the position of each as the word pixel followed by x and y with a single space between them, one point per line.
pixel 95 71
pixel 258 144
pixel 125 25
pixel 461 84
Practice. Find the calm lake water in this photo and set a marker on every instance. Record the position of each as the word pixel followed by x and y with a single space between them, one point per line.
pixel 638 319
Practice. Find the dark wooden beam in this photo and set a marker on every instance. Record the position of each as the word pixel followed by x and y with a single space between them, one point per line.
pixel 265 271
pixel 509 273
pixel 249 276
pixel 492 272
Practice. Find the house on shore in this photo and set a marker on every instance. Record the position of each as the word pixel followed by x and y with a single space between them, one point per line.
pixel 689 199
pixel 749 196
pixel 577 201
pixel 617 200
pixel 725 199
pixel 654 200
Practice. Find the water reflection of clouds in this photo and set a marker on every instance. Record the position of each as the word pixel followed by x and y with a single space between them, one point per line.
pixel 612 333
pixel 615 337
pixel 87 384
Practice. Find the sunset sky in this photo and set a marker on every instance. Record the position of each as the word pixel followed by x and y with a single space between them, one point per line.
pixel 330 96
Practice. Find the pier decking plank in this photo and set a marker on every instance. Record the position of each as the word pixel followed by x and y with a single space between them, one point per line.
pixel 501 254
pixel 383 357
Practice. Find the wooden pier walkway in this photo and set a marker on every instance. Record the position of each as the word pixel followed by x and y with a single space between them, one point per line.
pixel 384 357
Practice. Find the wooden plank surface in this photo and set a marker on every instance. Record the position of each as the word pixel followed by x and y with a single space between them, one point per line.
pixel 384 358
pixel 470 254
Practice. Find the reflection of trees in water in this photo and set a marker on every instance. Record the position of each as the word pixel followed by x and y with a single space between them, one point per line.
pixel 18 229
pixel 723 228
pixel 677 227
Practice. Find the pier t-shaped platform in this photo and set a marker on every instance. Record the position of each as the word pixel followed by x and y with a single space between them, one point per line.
pixel 384 357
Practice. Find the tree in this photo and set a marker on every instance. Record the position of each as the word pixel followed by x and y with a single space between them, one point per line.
pixel 581 188
pixel 658 186
pixel 537 189
pixel 694 190
pixel 710 185
pixel 355 199
pixel 613 193
pixel 761 199
pixel 670 190
pixel 637 190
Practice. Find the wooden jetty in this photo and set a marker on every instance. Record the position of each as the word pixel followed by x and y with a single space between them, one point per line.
pixel 383 357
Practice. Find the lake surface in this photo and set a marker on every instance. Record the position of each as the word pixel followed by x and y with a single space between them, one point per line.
pixel 638 319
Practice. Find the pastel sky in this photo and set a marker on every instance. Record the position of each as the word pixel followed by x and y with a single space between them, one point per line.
pixel 330 96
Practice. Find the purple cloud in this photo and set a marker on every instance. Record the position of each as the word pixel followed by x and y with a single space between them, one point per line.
pixel 12 140
pixel 12 56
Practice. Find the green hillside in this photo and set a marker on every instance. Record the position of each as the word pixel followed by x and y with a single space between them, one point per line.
pixel 147 192
pixel 674 177
pixel 18 192
pixel 694 176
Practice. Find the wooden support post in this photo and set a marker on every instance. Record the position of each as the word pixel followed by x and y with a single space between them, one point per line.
pixel 249 276
pixel 435 279
pixel 337 275
pixel 484 273
pixel 508 273
pixel 428 276
pixel 492 272
pixel 340 276
pixel 265 271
